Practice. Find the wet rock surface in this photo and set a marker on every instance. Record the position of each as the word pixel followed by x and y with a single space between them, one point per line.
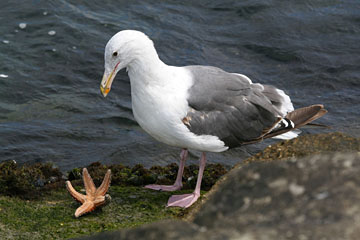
pixel 306 145
pixel 317 197
pixel 311 197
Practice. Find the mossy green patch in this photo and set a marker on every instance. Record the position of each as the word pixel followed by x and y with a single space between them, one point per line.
pixel 32 181
pixel 52 216
pixel 34 202
pixel 26 181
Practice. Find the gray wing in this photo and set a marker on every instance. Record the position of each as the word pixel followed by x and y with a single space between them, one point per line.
pixel 227 105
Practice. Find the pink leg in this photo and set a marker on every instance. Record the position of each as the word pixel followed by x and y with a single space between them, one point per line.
pixel 186 200
pixel 178 182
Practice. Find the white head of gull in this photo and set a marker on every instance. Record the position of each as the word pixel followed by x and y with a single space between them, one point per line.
pixel 198 107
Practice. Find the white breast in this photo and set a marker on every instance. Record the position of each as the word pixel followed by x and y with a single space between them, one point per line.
pixel 159 105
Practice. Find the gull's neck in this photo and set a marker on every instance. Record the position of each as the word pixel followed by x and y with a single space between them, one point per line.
pixel 146 68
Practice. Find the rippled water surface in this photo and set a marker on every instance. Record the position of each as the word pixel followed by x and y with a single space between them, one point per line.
pixel 51 64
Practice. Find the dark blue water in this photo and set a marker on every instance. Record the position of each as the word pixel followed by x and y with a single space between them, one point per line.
pixel 50 70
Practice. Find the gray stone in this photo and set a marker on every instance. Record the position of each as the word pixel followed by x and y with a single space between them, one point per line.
pixel 322 200
pixel 317 199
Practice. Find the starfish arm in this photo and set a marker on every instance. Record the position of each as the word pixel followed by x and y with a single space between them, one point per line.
pixel 99 200
pixel 86 207
pixel 94 197
pixel 88 182
pixel 76 195
pixel 104 187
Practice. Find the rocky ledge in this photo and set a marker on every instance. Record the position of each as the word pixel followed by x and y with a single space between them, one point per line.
pixel 314 193
pixel 311 194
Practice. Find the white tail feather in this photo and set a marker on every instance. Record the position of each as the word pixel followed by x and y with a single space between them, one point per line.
pixel 288 135
pixel 287 105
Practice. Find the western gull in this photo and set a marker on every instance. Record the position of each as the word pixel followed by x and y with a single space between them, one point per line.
pixel 198 107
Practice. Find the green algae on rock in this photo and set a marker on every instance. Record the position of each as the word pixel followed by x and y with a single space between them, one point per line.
pixel 34 202
pixel 52 215
pixel 30 181
pixel 308 145
pixel 27 180
pixel 140 176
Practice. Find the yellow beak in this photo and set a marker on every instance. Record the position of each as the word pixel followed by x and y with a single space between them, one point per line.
pixel 106 83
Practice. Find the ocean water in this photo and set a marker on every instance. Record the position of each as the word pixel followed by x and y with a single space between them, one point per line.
pixel 51 64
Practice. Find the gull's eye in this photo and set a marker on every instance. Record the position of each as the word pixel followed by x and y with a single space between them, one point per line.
pixel 115 54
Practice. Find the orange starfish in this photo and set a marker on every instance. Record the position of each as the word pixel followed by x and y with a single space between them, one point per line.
pixel 94 197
